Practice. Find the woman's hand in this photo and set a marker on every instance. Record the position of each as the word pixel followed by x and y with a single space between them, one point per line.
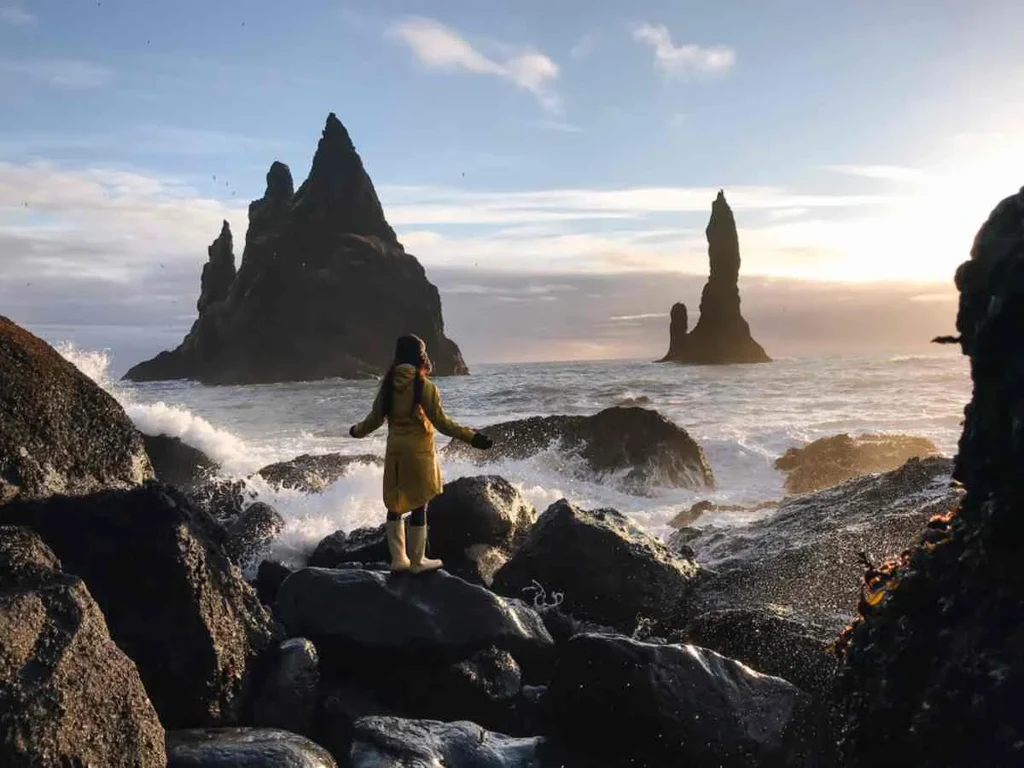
pixel 482 441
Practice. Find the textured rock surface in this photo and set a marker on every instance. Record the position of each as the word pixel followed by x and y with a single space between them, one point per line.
pixel 59 432
pixel 397 743
pixel 323 290
pixel 312 473
pixel 607 569
pixel 833 460
pixel 803 559
pixel 68 695
pixel 934 665
pixel 639 444
pixel 219 271
pixel 251 534
pixel 287 697
pixel 173 601
pixel 721 336
pixel 430 616
pixel 249 747
pixel 668 705
pixel 178 464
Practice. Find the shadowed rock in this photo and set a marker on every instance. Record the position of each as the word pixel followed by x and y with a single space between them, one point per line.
pixel 323 289
pixel 219 271
pixel 721 336
pixel 251 747
pixel 59 432
pixel 68 695
pixel 177 463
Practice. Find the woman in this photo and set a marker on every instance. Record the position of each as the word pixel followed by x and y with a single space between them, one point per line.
pixel 412 406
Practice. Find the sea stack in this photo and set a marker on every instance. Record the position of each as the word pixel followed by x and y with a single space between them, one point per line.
pixel 323 289
pixel 721 336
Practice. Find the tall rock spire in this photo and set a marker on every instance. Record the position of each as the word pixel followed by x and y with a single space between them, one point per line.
pixel 721 335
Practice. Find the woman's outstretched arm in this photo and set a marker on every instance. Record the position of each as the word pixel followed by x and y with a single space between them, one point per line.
pixel 372 422
pixel 444 424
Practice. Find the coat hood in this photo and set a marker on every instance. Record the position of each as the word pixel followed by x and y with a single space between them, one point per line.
pixel 405 374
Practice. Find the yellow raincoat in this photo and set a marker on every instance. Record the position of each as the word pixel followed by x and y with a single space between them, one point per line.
pixel 412 476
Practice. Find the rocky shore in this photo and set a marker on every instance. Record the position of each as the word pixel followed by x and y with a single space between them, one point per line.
pixel 140 626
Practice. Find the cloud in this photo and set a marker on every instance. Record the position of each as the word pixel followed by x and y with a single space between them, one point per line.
pixel 555 125
pixel 59 73
pixel 644 316
pixel 884 172
pixel 15 16
pixel 440 47
pixel 584 46
pixel 680 62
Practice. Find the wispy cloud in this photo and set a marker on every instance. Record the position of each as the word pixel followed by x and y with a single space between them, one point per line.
pixel 555 125
pixel 15 16
pixel 884 172
pixel 60 73
pixel 440 47
pixel 644 316
pixel 584 46
pixel 683 61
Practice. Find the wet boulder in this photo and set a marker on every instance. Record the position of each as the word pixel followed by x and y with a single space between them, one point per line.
pixel 476 523
pixel 605 568
pixel 637 448
pixel 287 697
pixel 398 743
pixel 223 499
pixel 363 546
pixel 310 473
pixel 62 434
pixel 653 705
pixel 174 603
pixel 68 694
pixel 805 558
pixel 251 747
pixel 177 463
pixel 269 577
pixel 252 532
pixel 833 460
pixel 401 617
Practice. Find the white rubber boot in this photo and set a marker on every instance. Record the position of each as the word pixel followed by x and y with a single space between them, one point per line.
pixel 396 545
pixel 418 550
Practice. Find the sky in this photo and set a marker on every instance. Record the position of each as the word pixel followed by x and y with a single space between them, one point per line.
pixel 552 164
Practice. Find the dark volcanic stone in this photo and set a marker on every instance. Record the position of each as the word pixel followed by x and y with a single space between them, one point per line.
pixel 172 599
pixel 68 695
pixel 804 559
pixel 934 664
pixel 397 743
pixel 424 617
pixel 363 545
pixel 311 474
pixel 721 336
pixel 269 577
pixel 249 747
pixel 219 271
pixel 833 460
pixel 288 695
pixel 59 432
pixel 323 289
pixel 657 705
pixel 251 533
pixel 651 450
pixel 605 566
pixel 177 463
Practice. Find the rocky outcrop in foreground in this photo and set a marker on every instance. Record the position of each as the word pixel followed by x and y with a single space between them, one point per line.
pixel 323 290
pixel 832 460
pixel 639 443
pixel 721 336
pixel 68 695
pixel 934 665
pixel 59 432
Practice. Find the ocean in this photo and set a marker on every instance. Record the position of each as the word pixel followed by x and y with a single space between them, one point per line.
pixel 743 416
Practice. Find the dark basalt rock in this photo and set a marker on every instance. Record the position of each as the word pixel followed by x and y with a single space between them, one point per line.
pixel 249 747
pixel 933 667
pixel 721 336
pixel 269 577
pixel 68 695
pixel 363 545
pixel 607 569
pixel 397 743
pixel 61 433
pixel 251 533
pixel 804 559
pixel 287 697
pixel 650 705
pixel 311 474
pixel 648 447
pixel 177 463
pixel 424 618
pixel 833 460
pixel 172 599
pixel 323 289
pixel 219 271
